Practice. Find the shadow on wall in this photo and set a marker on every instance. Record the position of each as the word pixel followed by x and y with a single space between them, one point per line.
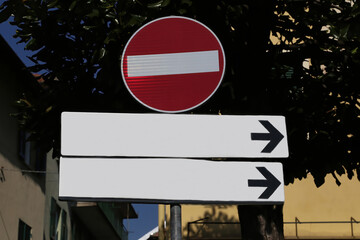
pixel 214 224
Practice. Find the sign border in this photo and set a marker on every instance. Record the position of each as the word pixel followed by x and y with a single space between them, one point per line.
pixel 177 111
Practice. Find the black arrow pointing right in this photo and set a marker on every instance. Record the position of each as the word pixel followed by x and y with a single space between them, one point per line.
pixel 270 182
pixel 273 135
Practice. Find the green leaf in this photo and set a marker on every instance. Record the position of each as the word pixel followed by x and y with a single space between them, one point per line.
pixel 32 45
pixel 94 13
pixel 72 5
pixel 165 3
pixel 110 15
pixel 162 3
pixel 136 20
pixel 98 55
pixel 154 5
pixel 5 14
pixel 102 53
pixel 3 5
pixel 112 36
pixel 52 4
pixel 182 11
pixel 344 31
pixel 88 27
pixel 30 17
pixel 354 51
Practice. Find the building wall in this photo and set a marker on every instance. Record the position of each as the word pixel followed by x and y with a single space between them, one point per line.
pixel 21 193
pixel 8 125
pixel 329 203
pixel 29 181
pixel 202 221
pixel 20 198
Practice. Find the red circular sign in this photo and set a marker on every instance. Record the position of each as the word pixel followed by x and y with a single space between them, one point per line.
pixel 173 64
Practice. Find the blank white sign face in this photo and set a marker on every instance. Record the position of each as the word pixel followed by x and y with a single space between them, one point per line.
pixel 171 180
pixel 172 135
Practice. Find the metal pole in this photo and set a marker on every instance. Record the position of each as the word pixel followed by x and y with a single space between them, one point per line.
pixel 175 221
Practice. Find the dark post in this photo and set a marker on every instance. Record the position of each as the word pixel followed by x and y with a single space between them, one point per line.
pixel 175 221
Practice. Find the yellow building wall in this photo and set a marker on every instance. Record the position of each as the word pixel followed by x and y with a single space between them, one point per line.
pixel 329 203
pixel 329 207
pixel 193 217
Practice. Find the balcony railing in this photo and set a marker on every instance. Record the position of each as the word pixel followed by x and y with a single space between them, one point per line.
pixel 297 222
pixel 207 230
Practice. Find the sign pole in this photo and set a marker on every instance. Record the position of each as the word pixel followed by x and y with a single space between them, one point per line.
pixel 175 221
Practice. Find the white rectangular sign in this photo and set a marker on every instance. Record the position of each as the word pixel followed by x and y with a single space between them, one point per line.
pixel 171 180
pixel 172 135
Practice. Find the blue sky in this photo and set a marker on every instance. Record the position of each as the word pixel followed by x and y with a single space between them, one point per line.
pixel 148 213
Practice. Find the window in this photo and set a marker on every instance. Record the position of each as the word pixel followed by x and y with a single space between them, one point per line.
pixel 24 232
pixel 54 219
pixel 58 227
pixel 25 147
pixel 63 235
pixel 34 157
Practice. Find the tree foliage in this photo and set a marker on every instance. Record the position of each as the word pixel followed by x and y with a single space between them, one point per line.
pixel 324 99
pixel 78 44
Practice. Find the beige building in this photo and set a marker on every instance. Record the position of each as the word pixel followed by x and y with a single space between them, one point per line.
pixel 29 181
pixel 328 212
pixel 22 191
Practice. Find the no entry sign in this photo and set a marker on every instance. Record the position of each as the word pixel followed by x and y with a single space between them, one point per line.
pixel 173 64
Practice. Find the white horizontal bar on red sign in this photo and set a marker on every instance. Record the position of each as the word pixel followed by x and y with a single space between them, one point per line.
pixel 172 63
